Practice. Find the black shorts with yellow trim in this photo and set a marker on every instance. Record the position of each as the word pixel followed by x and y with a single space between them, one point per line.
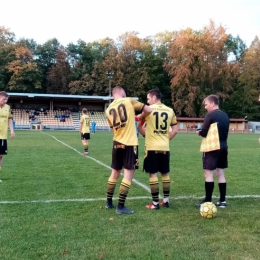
pixel 124 156
pixel 3 146
pixel 157 161
pixel 85 136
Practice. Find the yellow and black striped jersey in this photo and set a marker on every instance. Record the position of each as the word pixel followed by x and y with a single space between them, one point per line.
pixel 5 115
pixel 158 124
pixel 84 120
pixel 121 118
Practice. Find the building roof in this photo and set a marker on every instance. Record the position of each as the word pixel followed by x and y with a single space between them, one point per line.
pixel 32 95
pixel 200 119
pixel 58 96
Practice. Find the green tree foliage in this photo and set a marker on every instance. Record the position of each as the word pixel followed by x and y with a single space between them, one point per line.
pixel 45 57
pixel 6 36
pixel 88 73
pixel 25 74
pixel 28 43
pixel 124 59
pixel 7 54
pixel 249 83
pixel 154 58
pixel 58 77
pixel 185 65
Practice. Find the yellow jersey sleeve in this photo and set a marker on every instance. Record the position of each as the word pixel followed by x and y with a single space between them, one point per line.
pixel 138 106
pixel 121 118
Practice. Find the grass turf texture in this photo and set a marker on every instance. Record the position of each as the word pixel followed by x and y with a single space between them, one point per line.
pixel 42 215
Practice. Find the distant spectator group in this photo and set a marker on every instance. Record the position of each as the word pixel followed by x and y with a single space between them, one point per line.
pixel 33 115
pixel 63 116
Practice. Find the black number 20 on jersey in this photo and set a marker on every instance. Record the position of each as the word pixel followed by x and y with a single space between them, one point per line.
pixel 121 112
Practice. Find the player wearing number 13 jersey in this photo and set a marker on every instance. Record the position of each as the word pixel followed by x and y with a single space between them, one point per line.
pixel 157 153
pixel 121 118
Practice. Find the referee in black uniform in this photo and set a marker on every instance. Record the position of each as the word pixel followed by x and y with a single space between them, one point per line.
pixel 215 161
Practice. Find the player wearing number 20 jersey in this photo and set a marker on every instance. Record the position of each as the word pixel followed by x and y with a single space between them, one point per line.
pixel 121 118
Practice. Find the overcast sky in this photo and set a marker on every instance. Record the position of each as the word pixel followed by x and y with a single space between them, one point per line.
pixel 90 20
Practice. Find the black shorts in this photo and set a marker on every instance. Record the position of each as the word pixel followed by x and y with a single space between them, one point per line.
pixel 85 136
pixel 157 161
pixel 215 159
pixel 3 146
pixel 124 156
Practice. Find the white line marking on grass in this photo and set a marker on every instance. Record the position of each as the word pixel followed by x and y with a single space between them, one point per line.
pixel 68 200
pixel 97 161
pixel 128 198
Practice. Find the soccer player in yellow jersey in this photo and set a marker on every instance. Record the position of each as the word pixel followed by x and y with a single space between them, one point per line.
pixel 5 121
pixel 121 118
pixel 161 127
pixel 85 130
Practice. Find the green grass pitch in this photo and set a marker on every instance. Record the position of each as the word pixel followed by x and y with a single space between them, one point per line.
pixel 52 202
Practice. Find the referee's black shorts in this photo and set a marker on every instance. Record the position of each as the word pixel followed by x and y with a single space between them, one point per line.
pixel 215 159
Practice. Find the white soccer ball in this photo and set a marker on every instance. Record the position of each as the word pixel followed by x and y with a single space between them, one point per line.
pixel 208 210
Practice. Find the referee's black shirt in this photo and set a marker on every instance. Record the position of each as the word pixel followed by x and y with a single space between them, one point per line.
pixel 220 117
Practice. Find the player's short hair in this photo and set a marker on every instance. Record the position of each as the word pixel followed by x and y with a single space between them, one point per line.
pixel 155 92
pixel 118 89
pixel 212 98
pixel 84 110
pixel 3 94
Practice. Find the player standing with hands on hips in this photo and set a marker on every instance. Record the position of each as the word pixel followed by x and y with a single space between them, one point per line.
pixel 121 118
pixel 157 151
pixel 5 121
pixel 215 161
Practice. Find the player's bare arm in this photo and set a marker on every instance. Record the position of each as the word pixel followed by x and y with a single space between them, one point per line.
pixel 11 127
pixel 141 128
pixel 174 131
pixel 146 112
pixel 80 128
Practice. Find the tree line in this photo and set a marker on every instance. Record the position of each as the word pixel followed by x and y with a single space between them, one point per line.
pixel 186 66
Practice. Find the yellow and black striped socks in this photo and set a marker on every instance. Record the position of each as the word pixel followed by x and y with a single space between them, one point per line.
pixel 154 186
pixel 166 187
pixel 85 147
pixel 124 188
pixel 111 185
